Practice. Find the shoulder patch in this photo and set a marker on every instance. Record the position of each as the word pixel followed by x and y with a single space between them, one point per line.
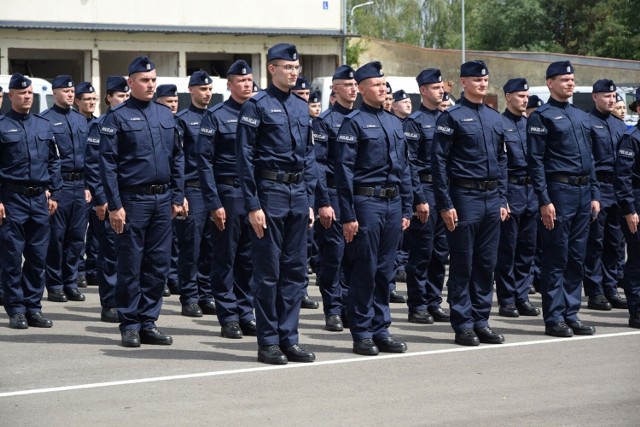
pixel 320 136
pixel 250 121
pixel 537 130
pixel 446 130
pixel 411 135
pixel 629 154
pixel 107 130
pixel 346 138
pixel 206 131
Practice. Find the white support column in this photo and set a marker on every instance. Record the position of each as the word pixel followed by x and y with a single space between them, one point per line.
pixel 4 59
pixel 182 63
pixel 94 77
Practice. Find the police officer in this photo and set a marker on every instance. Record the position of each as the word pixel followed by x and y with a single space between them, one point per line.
pixel 562 171
pixel 141 166
pixel 532 104
pixel 605 235
pixel 314 105
pixel 69 222
pixel 86 100
pixel 167 95
pixel 302 88
pixel 626 182
pixel 328 229
pixel 29 182
pixel 189 228
pixel 276 167
pixel 374 191
pixel 469 167
pixel 424 296
pixel 401 106
pixel 223 202
pixel 117 93
pixel 517 246
pixel 388 99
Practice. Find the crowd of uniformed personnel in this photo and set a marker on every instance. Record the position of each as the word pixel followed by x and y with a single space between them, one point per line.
pixel 228 205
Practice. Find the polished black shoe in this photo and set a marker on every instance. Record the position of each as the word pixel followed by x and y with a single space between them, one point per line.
pixel 109 315
pixel 74 295
pixel 487 336
pixel 130 338
pixel 617 301
pixel 155 337
pixel 401 276
pixel 365 347
pixel 82 281
pixel 309 303
pixel 272 355
pixel 231 330
pixel 249 328
pixel 439 315
pixel 580 328
pixel 333 323
pixel 18 321
pixel 468 338
pixel 191 310
pixel 634 321
pixel 423 317
pixel 37 320
pixel 561 330
pixel 57 295
pixel 166 292
pixel 397 298
pixel 532 290
pixel 295 353
pixel 508 310
pixel 599 302
pixel 390 345
pixel 208 307
pixel 525 308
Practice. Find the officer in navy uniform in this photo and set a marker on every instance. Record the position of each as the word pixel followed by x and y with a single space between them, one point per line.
pixel 374 192
pixel 532 104
pixel 470 174
pixel 117 93
pixel 626 183
pixel 29 182
pixel 388 102
pixel 276 167
pixel 167 95
pixel 141 167
pixel 605 235
pixel 424 296
pixel 69 222
pixel 562 171
pixel 302 88
pixel 328 229
pixel 517 247
pixel 231 266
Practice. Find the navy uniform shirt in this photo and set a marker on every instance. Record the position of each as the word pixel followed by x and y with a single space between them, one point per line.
pixel 468 144
pixel 606 132
pixel 274 134
pixel 627 172
pixel 70 129
pixel 559 141
pixel 139 145
pixel 217 149
pixel 28 152
pixel 325 133
pixel 92 163
pixel 371 152
pixel 515 142
pixel 188 122
pixel 419 129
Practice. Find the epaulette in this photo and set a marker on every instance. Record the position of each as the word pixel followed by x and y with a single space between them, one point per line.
pixel 121 105
pixel 352 114
pixel 543 107
pixel 324 114
pixel 257 97
pixel 453 108
pixel 182 112
pixel 415 115
pixel 489 106
pixel 216 107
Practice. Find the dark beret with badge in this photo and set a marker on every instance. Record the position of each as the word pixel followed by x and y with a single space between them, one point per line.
pixel 389 90
pixel 166 90
pixel 285 51
pixel 61 82
pixel 141 64
pixel 368 71
pixel 240 68
pixel 18 81
pixel 400 95
pixel 301 84
pixel 559 68
pixel 475 68
pixel 534 102
pixel 429 76
pixel 199 78
pixel 515 85
pixel 314 98
pixel 604 86
pixel 343 72
pixel 117 84
pixel 84 87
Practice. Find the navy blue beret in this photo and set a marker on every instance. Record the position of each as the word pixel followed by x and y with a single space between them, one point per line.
pixel 301 84
pixel 117 84
pixel 314 98
pixel 240 68
pixel 618 97
pixel 84 87
pixel 389 90
pixel 446 96
pixel 399 95
pixel 559 68
pixel 141 64
pixel 285 51
pixel 62 82
pixel 475 68
pixel 604 85
pixel 18 81
pixel 428 76
pixel 199 78
pixel 534 102
pixel 166 90
pixel 515 85
pixel 256 88
pixel 343 72
pixel 368 71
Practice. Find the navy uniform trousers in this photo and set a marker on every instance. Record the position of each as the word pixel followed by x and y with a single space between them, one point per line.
pixel 106 274
pixel 631 279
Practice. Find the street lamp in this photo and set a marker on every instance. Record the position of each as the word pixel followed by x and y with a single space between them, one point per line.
pixel 352 21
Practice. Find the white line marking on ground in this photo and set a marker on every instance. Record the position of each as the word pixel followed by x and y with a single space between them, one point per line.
pixel 311 365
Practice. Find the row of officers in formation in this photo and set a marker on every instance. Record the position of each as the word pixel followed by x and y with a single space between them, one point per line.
pixel 223 204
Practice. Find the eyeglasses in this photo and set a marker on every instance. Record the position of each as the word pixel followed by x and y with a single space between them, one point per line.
pixel 290 68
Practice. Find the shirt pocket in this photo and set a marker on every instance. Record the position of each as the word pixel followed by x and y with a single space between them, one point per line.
pixel 136 138
pixel 44 139
pixel 275 126
pixel 13 149
pixel 168 134
pixel 372 148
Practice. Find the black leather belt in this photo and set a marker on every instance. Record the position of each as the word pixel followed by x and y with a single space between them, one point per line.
pixel 73 175
pixel 575 180
pixel 426 177
pixel 331 182
pixel 194 183
pixel 281 176
pixel 606 177
pixel 519 180
pixel 381 192
pixel 228 180
pixel 24 189
pixel 472 184
pixel 146 189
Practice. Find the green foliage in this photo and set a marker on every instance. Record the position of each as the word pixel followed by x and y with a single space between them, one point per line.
pixel 354 49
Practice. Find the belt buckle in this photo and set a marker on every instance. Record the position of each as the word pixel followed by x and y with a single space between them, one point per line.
pixel 156 188
pixel 483 185
pixel 31 191
pixel 388 192
pixel 295 177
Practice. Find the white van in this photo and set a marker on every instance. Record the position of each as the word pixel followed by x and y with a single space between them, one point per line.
pixel 220 92
pixel 42 94
pixel 581 96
